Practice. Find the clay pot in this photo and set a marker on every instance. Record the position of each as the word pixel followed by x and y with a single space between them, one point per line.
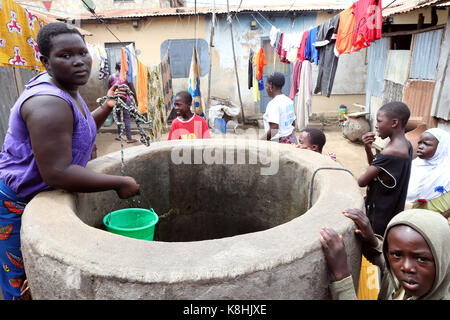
pixel 355 127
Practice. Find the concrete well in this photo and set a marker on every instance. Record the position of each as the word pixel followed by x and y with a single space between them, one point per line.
pixel 234 224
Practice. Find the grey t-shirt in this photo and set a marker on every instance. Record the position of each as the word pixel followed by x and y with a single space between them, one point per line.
pixel 328 61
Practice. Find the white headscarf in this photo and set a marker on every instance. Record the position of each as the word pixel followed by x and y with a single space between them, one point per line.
pixel 427 174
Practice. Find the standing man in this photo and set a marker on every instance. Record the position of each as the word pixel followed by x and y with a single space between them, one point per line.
pixel 279 118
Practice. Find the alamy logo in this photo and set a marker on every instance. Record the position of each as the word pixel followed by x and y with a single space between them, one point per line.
pixel 264 154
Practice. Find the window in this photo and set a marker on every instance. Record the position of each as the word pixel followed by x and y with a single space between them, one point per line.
pixel 180 51
pixel 401 42
pixel 113 52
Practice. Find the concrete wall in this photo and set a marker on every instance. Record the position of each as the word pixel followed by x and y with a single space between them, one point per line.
pixel 413 16
pixel 148 37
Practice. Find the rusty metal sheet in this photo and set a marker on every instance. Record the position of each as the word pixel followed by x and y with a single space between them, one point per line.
pixel 153 12
pixel 418 96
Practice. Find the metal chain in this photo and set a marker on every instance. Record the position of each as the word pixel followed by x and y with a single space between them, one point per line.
pixel 119 106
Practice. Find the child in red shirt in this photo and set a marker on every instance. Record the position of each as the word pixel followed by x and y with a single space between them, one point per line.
pixel 187 125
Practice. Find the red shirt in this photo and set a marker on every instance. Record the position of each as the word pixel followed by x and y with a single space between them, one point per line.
pixel 301 49
pixel 194 128
pixel 368 20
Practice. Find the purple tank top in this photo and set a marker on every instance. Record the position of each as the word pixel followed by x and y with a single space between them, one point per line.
pixel 18 168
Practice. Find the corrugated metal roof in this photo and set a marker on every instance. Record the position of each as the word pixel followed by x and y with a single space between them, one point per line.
pixel 409 5
pixel 152 12
pixel 52 18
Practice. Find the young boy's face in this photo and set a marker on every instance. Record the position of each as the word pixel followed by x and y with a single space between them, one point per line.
pixel 269 89
pixel 411 260
pixel 383 125
pixel 182 109
pixel 304 141
pixel 427 145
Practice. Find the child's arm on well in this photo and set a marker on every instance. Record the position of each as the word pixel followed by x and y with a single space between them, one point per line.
pixel 334 250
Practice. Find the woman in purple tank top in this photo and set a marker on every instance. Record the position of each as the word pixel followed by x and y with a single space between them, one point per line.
pixel 48 144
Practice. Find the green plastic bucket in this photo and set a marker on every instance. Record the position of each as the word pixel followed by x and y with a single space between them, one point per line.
pixel 132 222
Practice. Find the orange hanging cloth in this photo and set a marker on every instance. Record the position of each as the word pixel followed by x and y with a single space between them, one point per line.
pixel 142 87
pixel 260 62
pixel 346 28
pixel 123 65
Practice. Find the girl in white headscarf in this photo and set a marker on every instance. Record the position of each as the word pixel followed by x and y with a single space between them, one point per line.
pixel 429 184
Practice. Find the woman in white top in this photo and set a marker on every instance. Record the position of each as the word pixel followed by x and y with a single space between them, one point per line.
pixel 429 184
pixel 279 118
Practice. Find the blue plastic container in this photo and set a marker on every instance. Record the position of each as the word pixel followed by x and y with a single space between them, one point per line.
pixel 220 125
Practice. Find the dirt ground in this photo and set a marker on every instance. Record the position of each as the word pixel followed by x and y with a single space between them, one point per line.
pixel 349 154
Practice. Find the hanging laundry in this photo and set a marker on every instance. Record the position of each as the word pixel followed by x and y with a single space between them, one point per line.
pixel 156 107
pixel 166 73
pixel 303 99
pixel 273 34
pixel 250 68
pixel 346 28
pixel 292 46
pixel 142 87
pixel 261 84
pixel 261 61
pixel 123 65
pixel 278 42
pixel 256 94
pixel 295 79
pixel 328 61
pixel 301 49
pixel 93 51
pixel 194 85
pixel 18 35
pixel 311 53
pixel 368 22
pixel 281 52
pixel 104 70
pixel 132 61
